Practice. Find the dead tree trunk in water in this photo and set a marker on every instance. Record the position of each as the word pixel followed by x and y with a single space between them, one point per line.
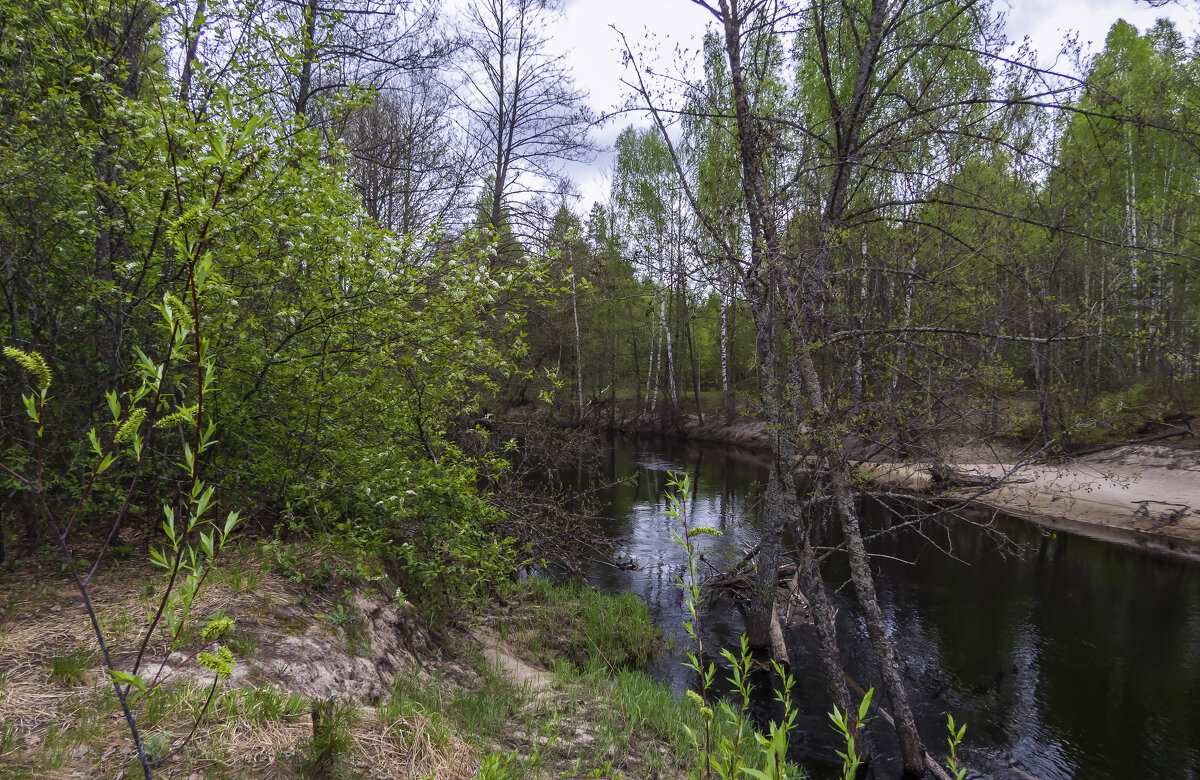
pixel 822 614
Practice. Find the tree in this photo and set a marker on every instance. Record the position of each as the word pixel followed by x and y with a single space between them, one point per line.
pixel 649 204
pixel 875 83
pixel 712 143
pixel 412 174
pixel 1126 174
pixel 525 118
pixel 346 364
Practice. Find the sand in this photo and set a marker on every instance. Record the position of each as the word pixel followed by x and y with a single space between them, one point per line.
pixel 1147 496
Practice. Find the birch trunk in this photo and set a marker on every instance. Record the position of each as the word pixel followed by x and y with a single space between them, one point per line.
pixel 673 394
pixel 578 360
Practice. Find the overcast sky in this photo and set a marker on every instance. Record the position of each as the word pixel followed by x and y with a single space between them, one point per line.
pixel 591 46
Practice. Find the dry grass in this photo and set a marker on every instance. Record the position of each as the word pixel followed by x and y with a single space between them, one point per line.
pixel 50 730
pixel 436 716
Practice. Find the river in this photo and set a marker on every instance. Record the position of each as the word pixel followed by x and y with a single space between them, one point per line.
pixel 1071 659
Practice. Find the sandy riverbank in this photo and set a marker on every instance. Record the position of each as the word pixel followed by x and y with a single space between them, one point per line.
pixel 1147 496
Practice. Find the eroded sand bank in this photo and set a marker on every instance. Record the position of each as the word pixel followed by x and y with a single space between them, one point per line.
pixel 1144 495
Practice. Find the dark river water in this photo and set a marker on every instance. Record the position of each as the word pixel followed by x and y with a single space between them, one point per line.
pixel 1073 659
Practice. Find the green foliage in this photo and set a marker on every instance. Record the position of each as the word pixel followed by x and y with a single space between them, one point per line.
pixel 219 624
pixel 340 617
pixel 720 745
pixel 847 726
pixel 32 362
pixel 957 770
pixel 242 644
pixel 500 766
pixel 439 544
pixel 332 739
pixel 157 744
pixel 219 662
pixel 336 364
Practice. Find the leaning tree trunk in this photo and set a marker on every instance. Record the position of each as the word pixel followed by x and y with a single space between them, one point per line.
pixel 886 658
pixel 762 597
pixel 822 615
pixel 780 485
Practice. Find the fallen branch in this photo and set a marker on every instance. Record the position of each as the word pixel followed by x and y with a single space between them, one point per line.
pixel 778 645
pixel 944 476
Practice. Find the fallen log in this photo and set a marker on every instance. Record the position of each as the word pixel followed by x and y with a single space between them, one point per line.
pixel 778 646
pixel 739 583
pixel 796 599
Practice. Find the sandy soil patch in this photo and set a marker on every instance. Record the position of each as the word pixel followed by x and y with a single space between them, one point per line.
pixel 512 667
pixel 1147 496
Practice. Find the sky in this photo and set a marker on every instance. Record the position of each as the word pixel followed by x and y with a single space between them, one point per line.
pixel 591 46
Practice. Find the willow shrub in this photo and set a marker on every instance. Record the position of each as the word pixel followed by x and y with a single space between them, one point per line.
pixel 345 358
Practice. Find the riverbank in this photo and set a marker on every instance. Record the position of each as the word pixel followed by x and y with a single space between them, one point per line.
pixel 334 677
pixel 1141 495
pixel 1145 496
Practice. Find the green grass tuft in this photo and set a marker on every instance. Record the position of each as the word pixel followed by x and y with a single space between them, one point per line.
pixel 583 626
pixel 332 739
pixel 68 669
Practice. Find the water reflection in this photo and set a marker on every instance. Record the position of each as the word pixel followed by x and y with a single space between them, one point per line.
pixel 1076 660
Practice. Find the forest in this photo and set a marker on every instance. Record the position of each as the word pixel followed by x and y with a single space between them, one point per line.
pixel 305 323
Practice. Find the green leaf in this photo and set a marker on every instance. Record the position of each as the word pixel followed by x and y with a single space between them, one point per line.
pixel 105 463
pixel 158 559
pixel 114 405
pixel 220 662
pixel 865 705
pixel 131 680
pixel 30 406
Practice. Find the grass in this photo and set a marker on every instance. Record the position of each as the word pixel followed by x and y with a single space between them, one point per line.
pixel 10 737
pixel 633 727
pixel 598 718
pixel 489 709
pixel 118 627
pixel 247 705
pixel 332 739
pixel 241 644
pixel 68 669
pixel 435 732
pixel 255 706
pixel 594 717
pixel 565 621
pixel 88 723
pixel 236 578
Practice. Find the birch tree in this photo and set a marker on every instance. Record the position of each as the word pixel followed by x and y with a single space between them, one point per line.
pixel 525 117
